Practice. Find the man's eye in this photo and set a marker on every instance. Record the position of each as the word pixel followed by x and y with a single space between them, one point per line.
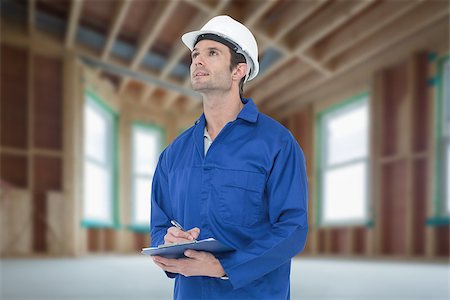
pixel 212 52
pixel 194 55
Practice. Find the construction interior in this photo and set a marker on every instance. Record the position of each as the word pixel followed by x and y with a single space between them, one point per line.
pixel 76 69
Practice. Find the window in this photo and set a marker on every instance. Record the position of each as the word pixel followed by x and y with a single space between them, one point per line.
pixel 443 156
pixel 343 163
pixel 147 145
pixel 99 163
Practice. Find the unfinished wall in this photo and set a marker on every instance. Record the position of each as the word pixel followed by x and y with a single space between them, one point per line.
pixel 31 143
pixel 402 163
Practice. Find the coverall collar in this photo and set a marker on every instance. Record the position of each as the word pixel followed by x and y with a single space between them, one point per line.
pixel 248 113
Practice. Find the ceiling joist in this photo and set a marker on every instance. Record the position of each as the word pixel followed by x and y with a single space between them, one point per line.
pixel 303 45
pixel 119 17
pixel 75 12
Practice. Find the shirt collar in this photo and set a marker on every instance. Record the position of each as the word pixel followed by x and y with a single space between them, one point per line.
pixel 206 135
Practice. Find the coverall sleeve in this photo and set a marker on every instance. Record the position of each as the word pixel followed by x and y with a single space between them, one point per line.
pixel 286 192
pixel 159 221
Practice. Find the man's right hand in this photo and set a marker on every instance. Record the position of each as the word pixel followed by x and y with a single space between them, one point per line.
pixel 175 235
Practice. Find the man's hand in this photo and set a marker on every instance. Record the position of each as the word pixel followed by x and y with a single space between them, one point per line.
pixel 175 235
pixel 197 263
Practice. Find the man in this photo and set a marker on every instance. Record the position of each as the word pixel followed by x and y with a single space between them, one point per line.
pixel 236 175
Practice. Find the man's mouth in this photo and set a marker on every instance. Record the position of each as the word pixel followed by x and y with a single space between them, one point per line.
pixel 200 74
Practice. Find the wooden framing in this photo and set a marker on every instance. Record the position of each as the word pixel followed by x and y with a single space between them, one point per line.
pixel 330 50
pixel 75 12
pixel 119 17
pixel 434 34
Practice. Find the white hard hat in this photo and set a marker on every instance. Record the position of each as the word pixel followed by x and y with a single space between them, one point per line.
pixel 234 32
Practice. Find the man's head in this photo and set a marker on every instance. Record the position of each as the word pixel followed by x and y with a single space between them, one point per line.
pixel 236 37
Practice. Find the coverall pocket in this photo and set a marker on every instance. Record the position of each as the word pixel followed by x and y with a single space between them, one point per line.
pixel 241 197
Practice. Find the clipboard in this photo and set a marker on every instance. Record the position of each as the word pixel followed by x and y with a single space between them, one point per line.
pixel 177 250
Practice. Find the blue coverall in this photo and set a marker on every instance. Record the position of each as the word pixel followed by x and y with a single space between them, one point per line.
pixel 249 192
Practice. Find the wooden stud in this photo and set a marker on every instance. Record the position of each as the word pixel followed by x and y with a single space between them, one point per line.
pixel 407 146
pixel 75 12
pixel 31 17
pixel 377 128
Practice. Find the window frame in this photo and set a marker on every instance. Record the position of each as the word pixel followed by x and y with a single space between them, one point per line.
pixel 440 214
pixel 321 152
pixel 133 226
pixel 93 99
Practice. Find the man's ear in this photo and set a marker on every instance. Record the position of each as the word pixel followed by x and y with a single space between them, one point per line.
pixel 240 71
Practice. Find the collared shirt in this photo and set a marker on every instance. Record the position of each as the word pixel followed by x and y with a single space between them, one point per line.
pixel 248 191
pixel 208 140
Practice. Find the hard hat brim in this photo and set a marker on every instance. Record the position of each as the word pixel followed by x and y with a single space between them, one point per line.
pixel 190 38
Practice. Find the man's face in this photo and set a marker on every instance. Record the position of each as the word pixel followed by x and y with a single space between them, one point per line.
pixel 210 67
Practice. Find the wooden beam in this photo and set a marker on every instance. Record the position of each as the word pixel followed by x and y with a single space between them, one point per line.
pixel 416 20
pixel 420 17
pixel 145 94
pixel 170 100
pixel 307 81
pixel 300 12
pixel 200 6
pixel 434 35
pixel 330 18
pixel 181 48
pixel 151 34
pixel 119 16
pixel 285 79
pixel 75 12
pixel 262 8
pixel 195 106
pixel 31 17
pixel 309 9
pixel 362 27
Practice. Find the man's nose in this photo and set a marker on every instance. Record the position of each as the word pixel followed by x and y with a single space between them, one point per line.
pixel 198 60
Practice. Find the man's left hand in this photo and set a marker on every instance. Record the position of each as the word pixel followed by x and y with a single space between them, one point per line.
pixel 197 263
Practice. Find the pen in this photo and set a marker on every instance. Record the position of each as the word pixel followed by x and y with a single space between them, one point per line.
pixel 177 225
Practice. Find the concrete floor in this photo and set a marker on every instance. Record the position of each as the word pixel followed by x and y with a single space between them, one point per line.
pixel 136 277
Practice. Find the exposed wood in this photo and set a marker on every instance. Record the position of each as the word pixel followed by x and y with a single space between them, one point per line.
pixel 288 77
pixel 75 12
pixel 199 5
pixel 306 12
pixel 119 17
pixel 260 11
pixel 331 18
pixel 294 17
pixel 407 146
pixel 150 36
pixel 30 115
pixel 31 17
pixel 148 90
pixel 379 17
pixel 420 17
pixel 170 99
pixel 328 50
pixel 307 82
pixel 181 49
pixel 433 34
